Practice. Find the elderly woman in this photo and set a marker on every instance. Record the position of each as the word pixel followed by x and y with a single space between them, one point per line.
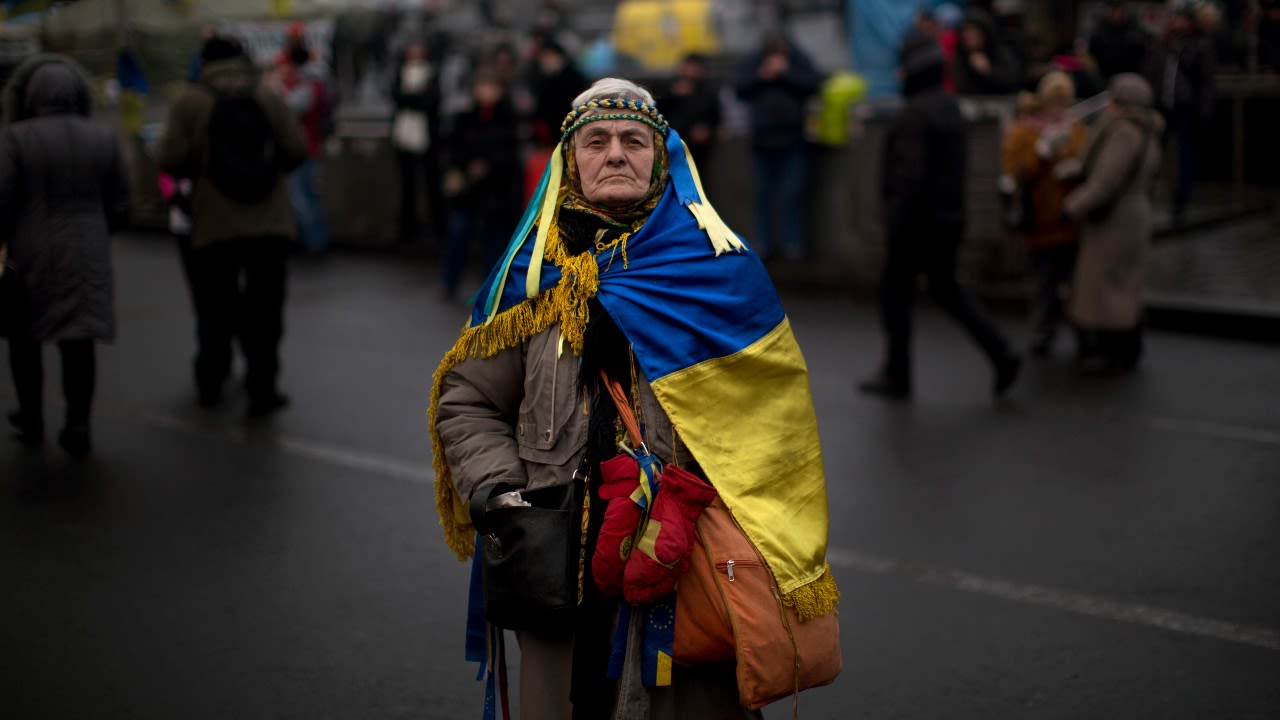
pixel 62 192
pixel 1034 153
pixel 622 276
pixel 1113 205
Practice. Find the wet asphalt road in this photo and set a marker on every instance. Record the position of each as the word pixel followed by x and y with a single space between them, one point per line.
pixel 1100 549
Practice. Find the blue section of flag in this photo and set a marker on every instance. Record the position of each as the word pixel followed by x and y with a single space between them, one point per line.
pixel 678 302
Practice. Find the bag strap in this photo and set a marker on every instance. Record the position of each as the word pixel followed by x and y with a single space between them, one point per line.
pixel 625 413
pixel 650 466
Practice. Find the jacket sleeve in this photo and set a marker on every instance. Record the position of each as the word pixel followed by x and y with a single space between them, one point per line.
pixel 801 77
pixel 1004 70
pixel 10 177
pixel 906 158
pixel 476 418
pixel 747 82
pixel 115 194
pixel 1208 97
pixel 1018 157
pixel 1105 179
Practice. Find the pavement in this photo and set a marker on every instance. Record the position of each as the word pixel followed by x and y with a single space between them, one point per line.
pixel 1087 548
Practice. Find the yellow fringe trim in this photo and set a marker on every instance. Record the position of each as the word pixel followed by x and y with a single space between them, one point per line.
pixel 566 304
pixel 814 599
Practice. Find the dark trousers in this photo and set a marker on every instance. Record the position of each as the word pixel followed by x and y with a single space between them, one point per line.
pixel 930 251
pixel 427 167
pixel 78 379
pixel 1183 128
pixel 238 287
pixel 780 177
pixel 1051 268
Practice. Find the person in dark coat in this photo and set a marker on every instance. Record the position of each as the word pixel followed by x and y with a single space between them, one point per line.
pixel 1181 72
pixel 692 106
pixel 481 180
pixel 556 82
pixel 923 189
pixel 240 247
pixel 776 84
pixel 1118 44
pixel 415 134
pixel 984 65
pixel 63 191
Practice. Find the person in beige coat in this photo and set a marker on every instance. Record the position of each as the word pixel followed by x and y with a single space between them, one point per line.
pixel 1113 205
pixel 247 237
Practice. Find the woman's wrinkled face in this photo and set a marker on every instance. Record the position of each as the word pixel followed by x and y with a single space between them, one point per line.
pixel 615 161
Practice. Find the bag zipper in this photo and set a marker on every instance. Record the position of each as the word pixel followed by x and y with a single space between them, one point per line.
pixel 728 566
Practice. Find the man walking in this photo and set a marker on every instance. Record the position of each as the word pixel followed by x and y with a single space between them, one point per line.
pixel 237 140
pixel 923 192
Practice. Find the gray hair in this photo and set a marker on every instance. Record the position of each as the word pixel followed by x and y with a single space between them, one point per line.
pixel 614 87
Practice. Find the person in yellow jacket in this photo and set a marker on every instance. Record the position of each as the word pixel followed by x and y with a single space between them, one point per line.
pixel 1040 154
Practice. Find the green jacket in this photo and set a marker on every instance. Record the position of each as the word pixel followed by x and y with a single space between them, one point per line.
pixel 184 149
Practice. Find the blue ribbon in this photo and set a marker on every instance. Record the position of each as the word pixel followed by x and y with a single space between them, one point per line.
pixel 659 637
pixel 482 640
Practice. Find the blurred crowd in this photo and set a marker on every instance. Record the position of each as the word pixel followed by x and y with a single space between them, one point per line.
pixel 475 119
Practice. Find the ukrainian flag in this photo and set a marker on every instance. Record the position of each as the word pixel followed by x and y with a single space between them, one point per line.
pixel 709 333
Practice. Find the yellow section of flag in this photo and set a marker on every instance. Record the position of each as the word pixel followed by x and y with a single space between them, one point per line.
pixel 767 468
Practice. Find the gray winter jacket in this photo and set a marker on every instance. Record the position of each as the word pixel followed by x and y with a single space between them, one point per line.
pixel 63 190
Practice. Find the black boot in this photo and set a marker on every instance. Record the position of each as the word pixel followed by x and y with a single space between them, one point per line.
pixel 887 385
pixel 29 430
pixel 267 404
pixel 1006 368
pixel 75 440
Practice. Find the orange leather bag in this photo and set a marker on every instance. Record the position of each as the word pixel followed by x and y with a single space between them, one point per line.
pixel 729 609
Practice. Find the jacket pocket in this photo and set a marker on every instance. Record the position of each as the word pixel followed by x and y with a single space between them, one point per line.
pixel 551 427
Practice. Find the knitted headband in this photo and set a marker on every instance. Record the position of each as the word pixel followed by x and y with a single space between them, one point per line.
pixel 632 110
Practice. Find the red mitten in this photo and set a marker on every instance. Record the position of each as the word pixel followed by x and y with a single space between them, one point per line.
pixel 668 539
pixel 619 478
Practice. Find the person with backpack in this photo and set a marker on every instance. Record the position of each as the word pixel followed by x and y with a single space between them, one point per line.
pixel 308 96
pixel 237 140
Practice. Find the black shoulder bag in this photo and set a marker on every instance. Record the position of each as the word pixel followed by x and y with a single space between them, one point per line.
pixel 531 554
